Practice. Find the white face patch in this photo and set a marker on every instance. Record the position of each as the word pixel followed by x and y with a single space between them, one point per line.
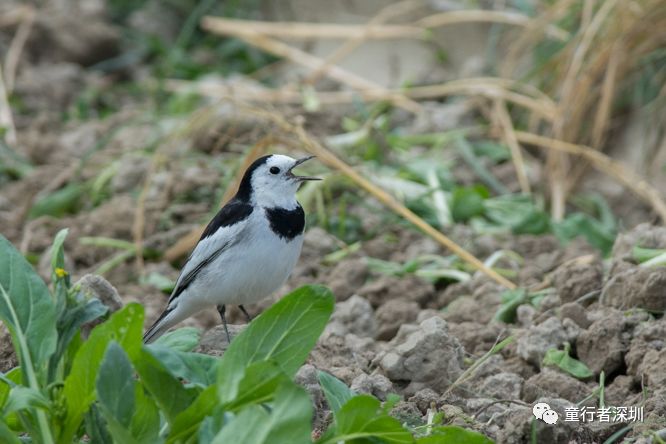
pixel 272 184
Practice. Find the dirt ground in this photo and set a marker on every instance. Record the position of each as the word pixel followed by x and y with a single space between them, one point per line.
pixel 389 334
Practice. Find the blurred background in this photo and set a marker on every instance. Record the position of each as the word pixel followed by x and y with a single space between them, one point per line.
pixel 129 121
pixel 522 135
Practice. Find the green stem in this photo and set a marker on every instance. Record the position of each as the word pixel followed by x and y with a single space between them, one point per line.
pixel 29 370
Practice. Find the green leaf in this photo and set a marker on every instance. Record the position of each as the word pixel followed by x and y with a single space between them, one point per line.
pixel 518 213
pixel 511 300
pixel 454 435
pixel 594 231
pixel 285 334
pixel 9 380
pixel 195 368
pixel 60 202
pixel 21 398
pixel 58 255
pixel 115 385
pixel 27 310
pixel 467 202
pixel 169 393
pixel 6 435
pixel 337 393
pixel 182 339
pixel 561 359
pixel 288 422
pixel 641 254
pixel 188 421
pixel 362 417
pixel 258 385
pixel 145 426
pixel 125 327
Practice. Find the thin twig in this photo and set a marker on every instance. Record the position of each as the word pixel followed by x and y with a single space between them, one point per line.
pixel 510 139
pixel 17 45
pixel 606 165
pixel 6 119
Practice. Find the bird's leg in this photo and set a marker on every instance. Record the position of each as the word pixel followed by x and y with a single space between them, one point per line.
pixel 221 309
pixel 247 316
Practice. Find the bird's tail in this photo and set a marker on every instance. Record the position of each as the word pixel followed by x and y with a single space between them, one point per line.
pixel 166 320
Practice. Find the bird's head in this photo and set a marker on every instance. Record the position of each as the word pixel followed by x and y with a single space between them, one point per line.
pixel 270 181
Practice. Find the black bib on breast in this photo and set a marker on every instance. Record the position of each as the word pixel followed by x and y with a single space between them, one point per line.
pixel 286 223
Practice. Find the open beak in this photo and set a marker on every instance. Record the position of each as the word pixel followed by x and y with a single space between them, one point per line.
pixel 301 178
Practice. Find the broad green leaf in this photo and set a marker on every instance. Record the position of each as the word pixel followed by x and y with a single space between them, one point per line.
pixel 96 427
pixel 211 426
pixel 288 422
pixel 27 310
pixel 258 385
pixel 125 327
pixel 337 393
pixel 454 435
pixel 115 385
pixel 187 422
pixel 285 334
pixel 182 339
pixel 195 368
pixel 561 359
pixel 7 381
pixel 518 213
pixel 167 390
pixel 21 398
pixel 641 254
pixel 361 417
pixel 145 426
pixel 6 435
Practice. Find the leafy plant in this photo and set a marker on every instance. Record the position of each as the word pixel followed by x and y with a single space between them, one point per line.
pixel 110 387
pixel 563 360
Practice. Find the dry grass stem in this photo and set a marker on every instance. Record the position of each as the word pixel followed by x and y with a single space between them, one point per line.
pixel 17 45
pixel 604 164
pixel 416 30
pixel 509 136
pixel 494 88
pixel 6 119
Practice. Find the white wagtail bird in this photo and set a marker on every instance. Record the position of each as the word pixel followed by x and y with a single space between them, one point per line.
pixel 247 251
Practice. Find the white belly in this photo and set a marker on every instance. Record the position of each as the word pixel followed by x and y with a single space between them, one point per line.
pixel 248 271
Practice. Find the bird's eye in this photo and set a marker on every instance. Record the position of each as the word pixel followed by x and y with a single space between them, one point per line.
pixel 274 170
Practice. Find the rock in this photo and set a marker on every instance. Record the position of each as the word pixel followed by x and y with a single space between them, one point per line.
pixel 518 426
pixel 430 355
pixel 578 277
pixel 319 241
pixel 525 314
pixel 393 314
pixel 502 386
pixel 94 286
pixel 307 377
pixel 52 87
pixel 576 313
pixel 131 173
pixel 407 413
pixel 375 384
pixel 463 309
pixel 355 315
pixel 7 356
pixel 602 346
pixel 385 288
pixel 75 38
pixel 347 277
pixel 214 341
pixel 550 382
pixel 646 358
pixel 475 337
pixel 533 344
pixel 424 399
pixel 621 391
pixel 643 235
pixel 636 287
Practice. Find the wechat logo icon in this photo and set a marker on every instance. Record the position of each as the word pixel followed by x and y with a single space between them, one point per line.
pixel 542 411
